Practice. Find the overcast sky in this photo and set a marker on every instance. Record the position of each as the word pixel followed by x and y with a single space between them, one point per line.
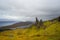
pixel 27 10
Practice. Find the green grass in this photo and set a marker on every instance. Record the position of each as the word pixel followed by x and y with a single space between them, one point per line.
pixel 51 32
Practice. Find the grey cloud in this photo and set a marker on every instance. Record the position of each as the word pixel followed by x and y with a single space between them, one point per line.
pixel 45 9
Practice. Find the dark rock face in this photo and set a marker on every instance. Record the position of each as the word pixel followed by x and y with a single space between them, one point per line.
pixel 41 22
pixel 59 18
pixel 1 30
pixel 38 23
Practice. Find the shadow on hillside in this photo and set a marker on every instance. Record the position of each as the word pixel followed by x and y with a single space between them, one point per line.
pixel 1 30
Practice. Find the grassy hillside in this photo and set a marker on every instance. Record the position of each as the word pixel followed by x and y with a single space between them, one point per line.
pixel 50 31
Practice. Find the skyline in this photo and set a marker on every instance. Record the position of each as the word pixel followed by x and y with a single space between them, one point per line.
pixel 27 10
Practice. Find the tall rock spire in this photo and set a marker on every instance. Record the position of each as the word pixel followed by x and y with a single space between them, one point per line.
pixel 37 21
pixel 59 18
pixel 41 22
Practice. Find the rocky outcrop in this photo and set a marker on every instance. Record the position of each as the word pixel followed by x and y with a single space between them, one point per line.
pixel 39 23
pixel 59 18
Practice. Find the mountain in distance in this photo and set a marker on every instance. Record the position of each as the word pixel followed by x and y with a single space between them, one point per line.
pixel 5 23
pixel 17 25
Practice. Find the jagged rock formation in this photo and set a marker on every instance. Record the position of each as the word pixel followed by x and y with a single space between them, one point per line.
pixel 38 23
pixel 59 18
pixel 41 22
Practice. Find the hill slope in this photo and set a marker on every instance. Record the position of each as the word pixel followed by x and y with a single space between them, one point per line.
pixel 50 32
